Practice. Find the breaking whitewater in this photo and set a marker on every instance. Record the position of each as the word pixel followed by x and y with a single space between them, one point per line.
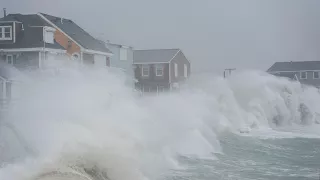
pixel 86 124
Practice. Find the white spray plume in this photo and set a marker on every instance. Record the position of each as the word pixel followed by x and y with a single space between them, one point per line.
pixel 86 121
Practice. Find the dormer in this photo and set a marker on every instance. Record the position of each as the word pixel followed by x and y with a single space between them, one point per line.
pixel 9 30
pixel 6 33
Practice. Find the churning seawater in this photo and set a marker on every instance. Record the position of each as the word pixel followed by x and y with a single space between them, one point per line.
pixel 249 158
pixel 80 123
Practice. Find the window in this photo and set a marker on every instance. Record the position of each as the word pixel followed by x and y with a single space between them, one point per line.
pixel 316 75
pixel 5 33
pixel 10 59
pixel 175 69
pixel 185 71
pixel 303 75
pixel 48 35
pixel 123 54
pixel 145 71
pixel 159 70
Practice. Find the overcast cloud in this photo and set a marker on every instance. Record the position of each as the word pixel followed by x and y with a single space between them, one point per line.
pixel 213 34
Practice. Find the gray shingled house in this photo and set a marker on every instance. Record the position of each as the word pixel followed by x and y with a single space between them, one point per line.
pixel 34 41
pixel 158 70
pixel 80 45
pixel 25 41
pixel 306 72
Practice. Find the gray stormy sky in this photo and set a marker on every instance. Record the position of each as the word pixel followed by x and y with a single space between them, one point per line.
pixel 214 34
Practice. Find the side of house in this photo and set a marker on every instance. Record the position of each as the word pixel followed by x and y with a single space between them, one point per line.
pixel 160 70
pixel 306 72
pixel 180 69
pixel 122 58
pixel 26 42
pixel 80 45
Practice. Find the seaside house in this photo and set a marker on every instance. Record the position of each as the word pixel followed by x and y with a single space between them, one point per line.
pixel 158 70
pixel 306 72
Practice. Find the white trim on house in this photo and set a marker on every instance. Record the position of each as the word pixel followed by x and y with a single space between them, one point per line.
pixel 174 56
pixel 305 73
pixel 82 49
pixel 176 70
pixel 10 21
pixel 318 74
pixel 48 21
pixel 40 60
pixel 170 75
pixel 161 62
pixel 96 52
pixel 4 89
pixel 33 49
pixel 185 70
pixel 14 32
pixel 3 37
pixel 152 63
pixel 295 75
pixel 293 71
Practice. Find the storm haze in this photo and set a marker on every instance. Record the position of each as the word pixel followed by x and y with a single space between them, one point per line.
pixel 213 34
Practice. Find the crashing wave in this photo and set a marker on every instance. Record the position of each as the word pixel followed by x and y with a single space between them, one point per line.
pixel 133 137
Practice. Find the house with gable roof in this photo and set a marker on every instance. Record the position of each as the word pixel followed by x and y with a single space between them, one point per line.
pixel 31 41
pixel 158 70
pixel 306 72
pixel 80 45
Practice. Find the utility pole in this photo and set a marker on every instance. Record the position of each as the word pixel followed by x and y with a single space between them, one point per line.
pixel 229 70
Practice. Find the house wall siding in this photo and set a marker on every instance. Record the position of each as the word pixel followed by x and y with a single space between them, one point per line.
pixel 88 59
pixel 152 83
pixel 28 60
pixel 152 78
pixel 180 60
pixel 24 60
pixel 309 81
pixel 125 65
pixel 63 40
pixel 117 63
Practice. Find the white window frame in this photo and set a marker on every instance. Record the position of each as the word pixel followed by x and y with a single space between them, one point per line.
pixel 142 71
pixel 185 70
pixel 318 75
pixel 176 73
pixel 306 74
pixel 123 54
pixel 2 28
pixel 48 34
pixel 7 58
pixel 159 68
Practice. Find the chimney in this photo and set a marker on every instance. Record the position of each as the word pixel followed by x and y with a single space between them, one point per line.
pixel 4 12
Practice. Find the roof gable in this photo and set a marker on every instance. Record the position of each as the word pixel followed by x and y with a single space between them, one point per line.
pixel 154 55
pixel 32 34
pixel 77 33
pixel 295 66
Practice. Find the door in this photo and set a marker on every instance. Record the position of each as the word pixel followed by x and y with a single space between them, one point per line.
pixel 9 59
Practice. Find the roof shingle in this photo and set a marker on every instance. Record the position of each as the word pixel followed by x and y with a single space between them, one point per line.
pixel 154 55
pixel 295 66
pixel 32 35
pixel 77 33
